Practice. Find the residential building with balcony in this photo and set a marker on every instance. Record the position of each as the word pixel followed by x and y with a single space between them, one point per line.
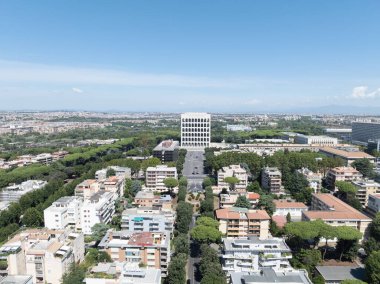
pixel 155 177
pixel 99 208
pixel 119 171
pixel 42 253
pixel 314 179
pixel 373 205
pixel 115 185
pixel 252 254
pixel 271 180
pixel 14 192
pixel 147 219
pixel 150 248
pixel 64 213
pixel 364 189
pixel 148 199
pixel 87 188
pixel 229 199
pixel 241 222
pixel 233 171
pixel 335 212
pixel 348 174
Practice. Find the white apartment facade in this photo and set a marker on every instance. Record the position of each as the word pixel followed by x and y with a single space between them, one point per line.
pixel 233 171
pixel 44 254
pixel 195 130
pixel 99 208
pixel 155 177
pixel 63 213
pixel 314 179
pixel 253 254
pixel 284 207
pixel 373 205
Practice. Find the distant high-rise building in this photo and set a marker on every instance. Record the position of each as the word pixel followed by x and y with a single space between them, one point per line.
pixel 363 132
pixel 195 130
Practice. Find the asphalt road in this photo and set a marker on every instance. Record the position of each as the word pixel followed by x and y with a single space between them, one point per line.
pixel 193 170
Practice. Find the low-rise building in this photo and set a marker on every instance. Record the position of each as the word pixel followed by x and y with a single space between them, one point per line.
pixel 227 200
pixel 364 189
pixel 233 171
pixel 269 276
pixel 335 212
pixel 252 254
pixel 314 179
pixel 167 151
pixel 123 273
pixel 347 155
pixel 14 192
pixel 148 199
pixel 147 219
pixel 17 279
pixel 155 177
pixel 337 274
pixel 242 222
pixel 315 140
pixel 342 174
pixel 119 171
pixel 98 208
pixel 150 248
pixel 63 213
pixel 271 180
pixel 285 207
pixel 115 185
pixel 42 253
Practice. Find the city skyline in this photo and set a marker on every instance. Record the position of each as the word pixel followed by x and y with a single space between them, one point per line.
pixel 176 56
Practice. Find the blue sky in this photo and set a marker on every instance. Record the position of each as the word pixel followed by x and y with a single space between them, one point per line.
pixel 215 55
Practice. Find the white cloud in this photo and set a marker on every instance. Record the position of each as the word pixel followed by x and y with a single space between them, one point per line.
pixel 77 90
pixel 25 72
pixel 361 92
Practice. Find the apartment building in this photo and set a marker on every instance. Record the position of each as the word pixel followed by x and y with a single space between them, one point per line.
pixel 315 140
pixel 17 279
pixel 335 212
pixel 42 253
pixel 364 189
pixel 195 130
pixel 271 180
pixel 233 171
pixel 347 155
pixel 285 207
pixel 252 254
pixel 99 208
pixel 87 188
pixel 155 177
pixel 242 222
pixel 314 179
pixel 14 192
pixel 269 275
pixel 167 151
pixel 373 206
pixel 63 213
pixel 115 185
pixel 150 248
pixel 348 174
pixel 148 199
pixel 147 219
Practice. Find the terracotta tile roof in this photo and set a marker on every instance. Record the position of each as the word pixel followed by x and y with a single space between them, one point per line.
pixel 241 213
pixel 279 220
pixel 339 209
pixel 253 196
pixel 346 154
pixel 288 204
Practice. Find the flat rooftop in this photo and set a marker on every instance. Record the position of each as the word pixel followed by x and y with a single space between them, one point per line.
pixel 340 273
pixel 268 275
pixel 256 244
